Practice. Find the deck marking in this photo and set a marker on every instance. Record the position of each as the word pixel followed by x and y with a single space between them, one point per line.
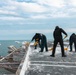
pixel 52 62
pixel 26 62
pixel 47 65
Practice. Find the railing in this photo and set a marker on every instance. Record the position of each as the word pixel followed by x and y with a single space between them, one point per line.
pixel 9 54
pixel 4 62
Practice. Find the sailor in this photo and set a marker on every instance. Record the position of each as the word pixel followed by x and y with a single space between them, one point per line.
pixel 41 40
pixel 43 43
pixel 57 34
pixel 37 38
pixel 72 40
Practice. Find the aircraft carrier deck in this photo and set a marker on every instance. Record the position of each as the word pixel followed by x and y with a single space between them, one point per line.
pixel 40 63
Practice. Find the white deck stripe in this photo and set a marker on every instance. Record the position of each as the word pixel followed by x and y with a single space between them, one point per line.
pixel 52 62
pixel 26 63
pixel 47 65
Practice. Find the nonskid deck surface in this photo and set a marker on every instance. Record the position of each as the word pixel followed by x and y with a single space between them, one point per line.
pixel 42 64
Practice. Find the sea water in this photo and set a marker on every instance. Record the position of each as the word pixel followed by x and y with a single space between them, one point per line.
pixel 4 50
pixel 5 43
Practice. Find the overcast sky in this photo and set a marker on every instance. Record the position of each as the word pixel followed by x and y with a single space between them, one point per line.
pixel 21 19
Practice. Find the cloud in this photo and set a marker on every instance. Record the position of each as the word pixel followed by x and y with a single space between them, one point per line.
pixel 32 7
pixel 59 15
pixel 71 30
pixel 5 12
pixel 42 31
pixel 51 3
pixel 11 18
pixel 23 32
pixel 72 3
pixel 38 8
pixel 20 34
pixel 39 16
pixel 31 32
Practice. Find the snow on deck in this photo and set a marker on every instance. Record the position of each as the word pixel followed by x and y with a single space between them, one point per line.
pixel 40 63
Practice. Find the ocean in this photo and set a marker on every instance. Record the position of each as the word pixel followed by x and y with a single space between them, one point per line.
pixel 5 43
pixel 4 50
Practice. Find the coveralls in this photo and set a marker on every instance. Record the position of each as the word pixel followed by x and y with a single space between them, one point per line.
pixel 57 34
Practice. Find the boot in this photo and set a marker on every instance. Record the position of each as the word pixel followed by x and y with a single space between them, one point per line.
pixel 52 55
